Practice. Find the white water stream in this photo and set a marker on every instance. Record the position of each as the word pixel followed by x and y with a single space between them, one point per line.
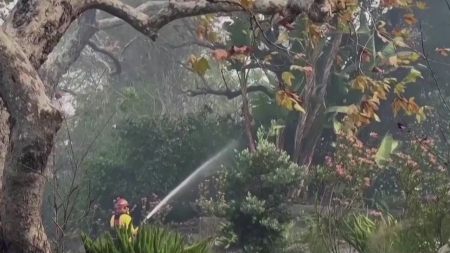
pixel 207 166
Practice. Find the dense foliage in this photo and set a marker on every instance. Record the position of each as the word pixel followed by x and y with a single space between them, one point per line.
pixel 153 155
pixel 252 196
pixel 410 219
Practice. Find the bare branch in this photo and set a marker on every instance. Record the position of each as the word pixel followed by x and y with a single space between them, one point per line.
pixel 38 40
pixel 104 51
pixel 230 94
pixel 202 43
pixel 60 60
pixel 61 92
pixel 109 23
pixel 128 45
pixel 269 66
pixel 149 25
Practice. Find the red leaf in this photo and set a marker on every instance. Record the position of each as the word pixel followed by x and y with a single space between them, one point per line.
pixel 220 54
pixel 377 70
pixel 286 23
pixel 240 50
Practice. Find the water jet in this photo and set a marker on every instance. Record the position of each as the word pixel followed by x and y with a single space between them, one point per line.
pixel 205 167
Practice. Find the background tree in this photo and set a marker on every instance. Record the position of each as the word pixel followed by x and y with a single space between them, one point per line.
pixel 361 50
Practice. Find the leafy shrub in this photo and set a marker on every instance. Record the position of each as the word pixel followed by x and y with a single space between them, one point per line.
pixel 147 240
pixel 420 183
pixel 423 178
pixel 349 173
pixel 253 198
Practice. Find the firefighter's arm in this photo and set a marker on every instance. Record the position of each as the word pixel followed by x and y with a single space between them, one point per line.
pixel 127 220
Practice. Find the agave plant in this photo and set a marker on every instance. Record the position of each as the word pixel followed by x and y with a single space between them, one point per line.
pixel 147 240
pixel 362 233
pixel 356 230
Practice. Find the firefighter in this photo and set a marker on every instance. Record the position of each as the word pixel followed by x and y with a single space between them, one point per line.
pixel 122 215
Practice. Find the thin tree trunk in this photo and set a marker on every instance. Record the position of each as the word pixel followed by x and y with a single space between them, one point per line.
pixel 248 119
pixel 309 127
pixel 4 143
pixel 280 138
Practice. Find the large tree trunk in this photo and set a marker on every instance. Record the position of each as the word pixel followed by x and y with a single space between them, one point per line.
pixel 33 123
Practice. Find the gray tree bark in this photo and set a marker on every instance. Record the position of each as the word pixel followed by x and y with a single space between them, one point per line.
pixel 33 122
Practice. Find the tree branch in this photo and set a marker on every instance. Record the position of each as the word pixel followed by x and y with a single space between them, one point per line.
pixel 104 51
pixel 61 92
pixel 176 10
pixel 201 43
pixel 60 60
pixel 38 40
pixel 109 23
pixel 230 94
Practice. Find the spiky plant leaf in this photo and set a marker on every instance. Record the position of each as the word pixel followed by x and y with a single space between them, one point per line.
pixel 147 240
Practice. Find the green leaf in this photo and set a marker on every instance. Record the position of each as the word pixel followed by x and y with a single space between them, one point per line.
pixel 412 76
pixel 235 30
pixel 201 66
pixel 375 116
pixel 283 37
pixel 413 56
pixel 387 147
pixel 277 127
pixel 338 109
pixel 364 23
pixel 337 126
pixel 263 108
pixel 420 116
pixel 287 77
pixel 389 50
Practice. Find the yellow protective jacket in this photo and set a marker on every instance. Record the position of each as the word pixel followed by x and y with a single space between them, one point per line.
pixel 123 219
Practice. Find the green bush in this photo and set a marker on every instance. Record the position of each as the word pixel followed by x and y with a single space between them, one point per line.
pixel 253 198
pixel 421 191
pixel 155 154
pixel 147 240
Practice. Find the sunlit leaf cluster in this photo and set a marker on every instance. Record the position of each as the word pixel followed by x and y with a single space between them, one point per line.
pixel 376 86
pixel 370 71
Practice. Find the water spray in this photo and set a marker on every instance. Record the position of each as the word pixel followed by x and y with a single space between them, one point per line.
pixel 204 167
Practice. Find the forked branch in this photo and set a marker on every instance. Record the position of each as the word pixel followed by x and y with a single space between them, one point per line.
pixel 38 44
pixel 102 50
